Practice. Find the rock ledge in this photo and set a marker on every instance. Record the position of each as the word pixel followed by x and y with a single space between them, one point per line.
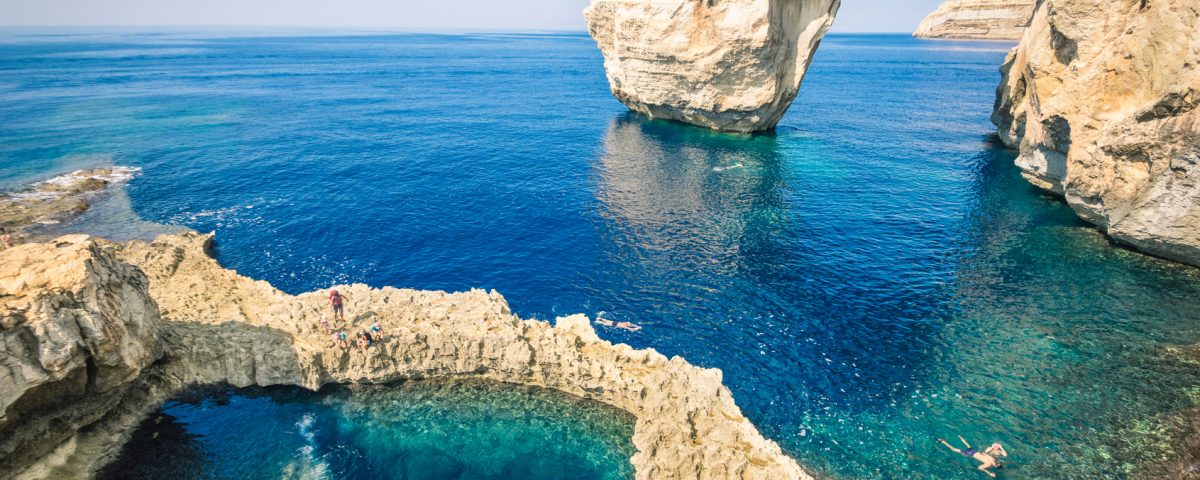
pixel 121 327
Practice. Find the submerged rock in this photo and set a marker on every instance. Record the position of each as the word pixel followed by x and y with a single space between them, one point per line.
pixel 57 199
pixel 1100 98
pixel 217 327
pixel 732 65
pixel 978 20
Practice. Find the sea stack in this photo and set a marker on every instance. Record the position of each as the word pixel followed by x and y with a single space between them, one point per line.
pixel 733 65
pixel 978 20
pixel 1100 98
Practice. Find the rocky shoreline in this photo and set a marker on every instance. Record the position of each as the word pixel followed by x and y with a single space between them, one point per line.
pixel 98 334
pixel 57 200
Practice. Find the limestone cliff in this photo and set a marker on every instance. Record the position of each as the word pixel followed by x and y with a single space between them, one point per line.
pixel 978 20
pixel 733 65
pixel 77 328
pixel 218 327
pixel 1100 98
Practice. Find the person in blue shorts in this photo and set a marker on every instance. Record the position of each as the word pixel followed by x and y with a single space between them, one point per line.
pixel 989 457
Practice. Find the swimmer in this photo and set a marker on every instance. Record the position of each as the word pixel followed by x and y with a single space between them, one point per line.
pixel 628 326
pixel 604 321
pixel 987 456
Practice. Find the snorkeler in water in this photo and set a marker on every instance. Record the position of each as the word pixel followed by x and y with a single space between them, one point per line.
pixel 989 457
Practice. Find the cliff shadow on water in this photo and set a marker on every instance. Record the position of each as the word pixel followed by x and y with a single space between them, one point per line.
pixel 705 235
pixel 426 429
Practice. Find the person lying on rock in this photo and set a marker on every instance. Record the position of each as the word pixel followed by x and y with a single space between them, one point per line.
pixel 336 300
pixel 988 457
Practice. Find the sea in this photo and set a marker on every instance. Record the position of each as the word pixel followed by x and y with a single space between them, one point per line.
pixel 870 277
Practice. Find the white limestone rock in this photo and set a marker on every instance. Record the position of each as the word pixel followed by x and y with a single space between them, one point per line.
pixel 77 328
pixel 1100 98
pixel 732 65
pixel 978 20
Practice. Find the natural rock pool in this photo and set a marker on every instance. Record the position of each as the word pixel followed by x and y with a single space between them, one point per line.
pixel 869 278
pixel 424 430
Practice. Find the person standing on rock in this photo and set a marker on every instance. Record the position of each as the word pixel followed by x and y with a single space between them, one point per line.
pixel 337 300
pixel 5 239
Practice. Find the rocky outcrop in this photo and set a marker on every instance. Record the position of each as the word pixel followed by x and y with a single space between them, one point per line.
pixel 978 20
pixel 732 65
pixel 77 328
pixel 57 199
pixel 219 327
pixel 1100 98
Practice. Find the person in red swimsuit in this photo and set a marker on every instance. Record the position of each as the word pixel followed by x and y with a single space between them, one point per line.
pixel 337 300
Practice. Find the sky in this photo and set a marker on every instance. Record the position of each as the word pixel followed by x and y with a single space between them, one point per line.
pixel 855 15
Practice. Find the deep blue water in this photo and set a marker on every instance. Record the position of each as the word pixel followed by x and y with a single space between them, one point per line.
pixel 870 277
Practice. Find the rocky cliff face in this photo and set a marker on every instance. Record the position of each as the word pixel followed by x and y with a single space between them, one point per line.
pixel 1100 98
pixel 978 20
pixel 732 65
pixel 77 328
pixel 219 327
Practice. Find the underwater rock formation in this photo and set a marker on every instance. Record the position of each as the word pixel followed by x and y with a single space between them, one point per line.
pixel 219 327
pixel 978 20
pixel 1100 98
pixel 57 199
pixel 731 65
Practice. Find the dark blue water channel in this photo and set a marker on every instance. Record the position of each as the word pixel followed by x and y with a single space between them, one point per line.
pixel 870 277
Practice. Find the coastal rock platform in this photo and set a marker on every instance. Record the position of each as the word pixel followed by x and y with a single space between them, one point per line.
pixel 97 334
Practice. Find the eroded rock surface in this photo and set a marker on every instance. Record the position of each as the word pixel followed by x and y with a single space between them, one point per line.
pixel 978 20
pixel 77 328
pixel 732 65
pixel 1100 98
pixel 217 326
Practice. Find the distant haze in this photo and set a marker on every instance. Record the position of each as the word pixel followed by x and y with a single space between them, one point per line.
pixel 855 16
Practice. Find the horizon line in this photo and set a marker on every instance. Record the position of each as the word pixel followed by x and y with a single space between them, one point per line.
pixel 396 28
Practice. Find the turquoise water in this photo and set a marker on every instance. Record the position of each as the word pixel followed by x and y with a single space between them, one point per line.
pixel 872 276
pixel 413 431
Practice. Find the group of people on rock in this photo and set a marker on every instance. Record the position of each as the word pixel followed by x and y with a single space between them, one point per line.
pixel 364 339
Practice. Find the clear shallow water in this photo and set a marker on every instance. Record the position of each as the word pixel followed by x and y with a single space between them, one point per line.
pixel 413 431
pixel 873 276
